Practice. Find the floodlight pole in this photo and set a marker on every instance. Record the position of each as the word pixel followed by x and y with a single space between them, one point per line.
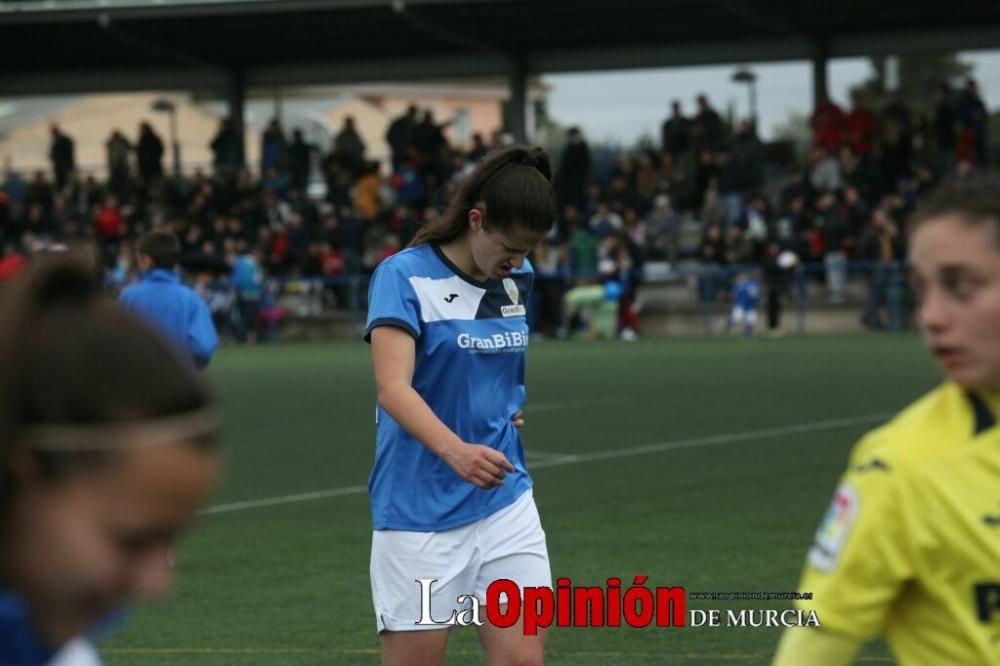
pixel 164 105
pixel 745 75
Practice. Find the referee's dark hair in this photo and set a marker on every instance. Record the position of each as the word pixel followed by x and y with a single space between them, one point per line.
pixel 974 200
pixel 162 247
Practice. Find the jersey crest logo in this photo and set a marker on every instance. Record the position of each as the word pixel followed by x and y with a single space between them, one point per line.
pixel 515 310
pixel 511 288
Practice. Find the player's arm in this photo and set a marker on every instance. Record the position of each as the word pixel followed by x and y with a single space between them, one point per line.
pixel 393 352
pixel 202 338
pixel 816 647
pixel 857 564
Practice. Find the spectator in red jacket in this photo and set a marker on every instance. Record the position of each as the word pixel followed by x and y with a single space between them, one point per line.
pixel 828 125
pixel 108 219
pixel 860 127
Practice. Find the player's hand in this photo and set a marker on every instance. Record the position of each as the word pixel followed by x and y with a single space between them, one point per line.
pixel 480 465
pixel 518 419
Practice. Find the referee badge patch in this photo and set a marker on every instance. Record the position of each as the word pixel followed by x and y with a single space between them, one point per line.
pixel 835 528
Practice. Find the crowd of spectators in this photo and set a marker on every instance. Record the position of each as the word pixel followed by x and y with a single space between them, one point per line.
pixel 847 200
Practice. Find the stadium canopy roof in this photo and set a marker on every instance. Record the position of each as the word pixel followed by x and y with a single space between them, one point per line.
pixel 61 46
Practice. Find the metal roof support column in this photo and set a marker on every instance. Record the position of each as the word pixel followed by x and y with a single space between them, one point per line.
pixel 517 106
pixel 821 56
pixel 236 96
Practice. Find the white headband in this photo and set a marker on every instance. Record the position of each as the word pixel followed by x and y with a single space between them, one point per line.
pixel 109 436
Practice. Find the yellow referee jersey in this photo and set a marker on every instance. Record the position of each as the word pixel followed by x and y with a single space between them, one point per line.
pixel 910 546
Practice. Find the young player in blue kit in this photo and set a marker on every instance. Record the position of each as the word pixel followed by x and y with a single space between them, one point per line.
pixel 173 309
pixel 450 494
pixel 746 297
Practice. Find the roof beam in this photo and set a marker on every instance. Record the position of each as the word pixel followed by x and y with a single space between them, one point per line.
pixel 732 52
pixel 866 44
pixel 679 55
pixel 109 80
pixel 68 11
pixel 406 69
pixel 484 64
pixel 92 81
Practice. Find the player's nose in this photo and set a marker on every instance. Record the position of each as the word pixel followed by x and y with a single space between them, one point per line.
pixel 934 311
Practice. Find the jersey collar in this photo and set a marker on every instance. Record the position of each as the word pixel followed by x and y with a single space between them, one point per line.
pixel 161 275
pixel 19 643
pixel 985 408
pixel 482 284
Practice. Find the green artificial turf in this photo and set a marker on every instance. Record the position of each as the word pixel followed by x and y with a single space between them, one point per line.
pixel 745 441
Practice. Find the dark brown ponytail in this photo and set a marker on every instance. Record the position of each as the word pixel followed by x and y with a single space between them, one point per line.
pixel 513 185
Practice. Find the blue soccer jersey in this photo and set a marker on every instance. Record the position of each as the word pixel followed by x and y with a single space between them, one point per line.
pixel 747 294
pixel 471 341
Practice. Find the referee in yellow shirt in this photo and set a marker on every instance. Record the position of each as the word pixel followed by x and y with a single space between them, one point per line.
pixel 910 546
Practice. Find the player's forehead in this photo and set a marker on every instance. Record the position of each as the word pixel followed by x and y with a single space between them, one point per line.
pixel 520 237
pixel 950 243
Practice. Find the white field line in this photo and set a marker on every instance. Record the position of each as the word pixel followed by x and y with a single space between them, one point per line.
pixel 557 459
pixel 712 440
pixel 284 499
pixel 533 407
pixel 532 454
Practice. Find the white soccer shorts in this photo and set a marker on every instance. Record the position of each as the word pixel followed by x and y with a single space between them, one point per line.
pixel 464 561
pixel 740 314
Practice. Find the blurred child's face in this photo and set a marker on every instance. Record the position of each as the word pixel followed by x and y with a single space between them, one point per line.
pixel 86 544
pixel 957 273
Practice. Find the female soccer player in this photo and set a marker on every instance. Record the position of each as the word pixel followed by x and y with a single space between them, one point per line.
pixel 911 544
pixel 106 450
pixel 450 495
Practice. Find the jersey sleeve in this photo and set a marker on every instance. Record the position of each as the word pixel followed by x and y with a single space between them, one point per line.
pixel 529 270
pixel 201 336
pixel 859 558
pixel 126 298
pixel 392 301
pixel 813 646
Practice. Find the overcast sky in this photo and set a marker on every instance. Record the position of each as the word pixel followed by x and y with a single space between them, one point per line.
pixel 623 105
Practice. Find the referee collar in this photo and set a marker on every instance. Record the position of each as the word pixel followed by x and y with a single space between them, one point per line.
pixel 984 410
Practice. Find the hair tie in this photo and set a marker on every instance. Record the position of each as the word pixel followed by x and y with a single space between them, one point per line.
pixel 530 161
